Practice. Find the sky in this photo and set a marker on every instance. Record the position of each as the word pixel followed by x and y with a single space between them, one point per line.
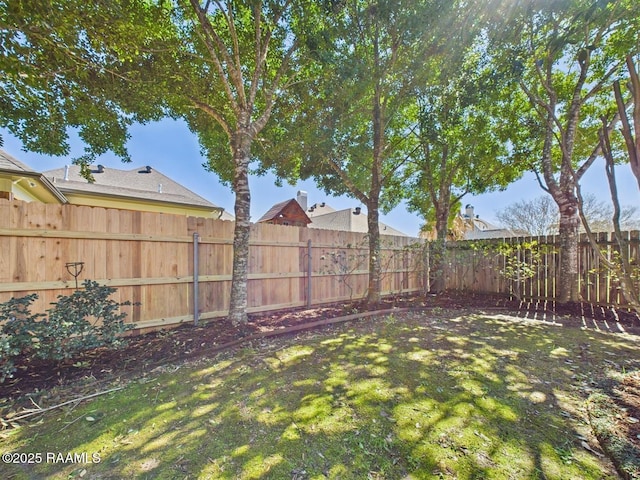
pixel 169 147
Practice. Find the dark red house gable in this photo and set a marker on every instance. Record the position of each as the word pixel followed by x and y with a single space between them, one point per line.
pixel 288 212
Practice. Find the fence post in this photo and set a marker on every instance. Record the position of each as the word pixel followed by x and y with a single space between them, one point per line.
pixel 196 273
pixel 309 265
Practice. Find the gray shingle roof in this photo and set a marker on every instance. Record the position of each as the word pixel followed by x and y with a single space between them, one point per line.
pixel 318 209
pixel 9 163
pixel 137 183
pixel 16 168
pixel 348 220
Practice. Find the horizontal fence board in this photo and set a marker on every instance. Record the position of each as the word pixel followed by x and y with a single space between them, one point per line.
pixel 148 257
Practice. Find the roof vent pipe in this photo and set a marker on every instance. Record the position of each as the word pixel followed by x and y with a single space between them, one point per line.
pixel 66 172
pixel 100 168
pixel 148 169
pixel 358 210
pixel 159 188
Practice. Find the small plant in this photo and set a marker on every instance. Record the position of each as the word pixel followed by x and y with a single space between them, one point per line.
pixel 86 319
pixel 344 263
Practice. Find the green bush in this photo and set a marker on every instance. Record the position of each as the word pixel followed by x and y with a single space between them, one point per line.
pixel 17 333
pixel 86 319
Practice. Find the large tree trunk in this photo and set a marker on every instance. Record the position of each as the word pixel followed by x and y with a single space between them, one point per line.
pixel 567 289
pixel 438 248
pixel 373 205
pixel 238 301
pixel 375 265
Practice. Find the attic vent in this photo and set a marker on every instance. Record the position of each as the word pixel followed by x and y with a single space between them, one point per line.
pixel 100 169
pixel 358 210
pixel 147 169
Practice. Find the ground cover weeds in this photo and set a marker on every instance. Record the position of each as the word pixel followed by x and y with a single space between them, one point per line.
pixel 410 396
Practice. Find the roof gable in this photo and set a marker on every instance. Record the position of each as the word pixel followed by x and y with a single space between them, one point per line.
pixel 289 209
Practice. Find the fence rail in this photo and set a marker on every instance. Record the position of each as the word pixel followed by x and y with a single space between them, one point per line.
pixel 530 267
pixel 149 257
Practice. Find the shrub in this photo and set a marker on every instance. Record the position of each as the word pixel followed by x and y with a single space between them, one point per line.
pixel 17 333
pixel 86 319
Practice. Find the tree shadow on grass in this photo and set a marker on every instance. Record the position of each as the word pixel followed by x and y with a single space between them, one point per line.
pixel 405 397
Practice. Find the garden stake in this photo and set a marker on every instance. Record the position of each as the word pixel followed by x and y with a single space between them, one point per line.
pixel 77 270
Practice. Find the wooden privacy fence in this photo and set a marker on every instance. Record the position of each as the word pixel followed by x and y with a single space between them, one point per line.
pixel 530 267
pixel 149 258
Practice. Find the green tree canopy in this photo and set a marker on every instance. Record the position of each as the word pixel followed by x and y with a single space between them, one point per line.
pixel 222 66
pixel 63 66
pixel 355 116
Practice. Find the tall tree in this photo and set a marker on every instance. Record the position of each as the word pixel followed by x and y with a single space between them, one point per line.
pixel 630 126
pixel 566 55
pixel 240 59
pixel 371 56
pixel 461 146
pixel 222 66
pixel 622 265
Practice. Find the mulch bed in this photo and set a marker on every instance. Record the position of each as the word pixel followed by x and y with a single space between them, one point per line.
pixel 101 368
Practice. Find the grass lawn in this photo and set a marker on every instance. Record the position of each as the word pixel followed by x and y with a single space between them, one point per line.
pixel 443 395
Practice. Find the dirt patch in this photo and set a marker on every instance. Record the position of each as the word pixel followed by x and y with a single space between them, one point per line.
pixel 98 369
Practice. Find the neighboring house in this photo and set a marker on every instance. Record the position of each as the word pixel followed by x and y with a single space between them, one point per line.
pixel 476 228
pixel 144 189
pixel 350 220
pixel 469 226
pixel 321 215
pixel 288 212
pixel 17 181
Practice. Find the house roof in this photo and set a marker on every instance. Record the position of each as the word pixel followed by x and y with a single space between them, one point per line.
pixel 350 220
pixel 143 183
pixel 318 209
pixel 476 228
pixel 274 212
pixel 16 169
pixel 491 233
pixel 12 164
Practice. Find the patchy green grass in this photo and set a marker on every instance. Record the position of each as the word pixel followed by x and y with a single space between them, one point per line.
pixel 604 416
pixel 411 396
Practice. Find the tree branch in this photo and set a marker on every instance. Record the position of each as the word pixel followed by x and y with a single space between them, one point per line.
pixel 216 47
pixel 337 168
pixel 217 116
